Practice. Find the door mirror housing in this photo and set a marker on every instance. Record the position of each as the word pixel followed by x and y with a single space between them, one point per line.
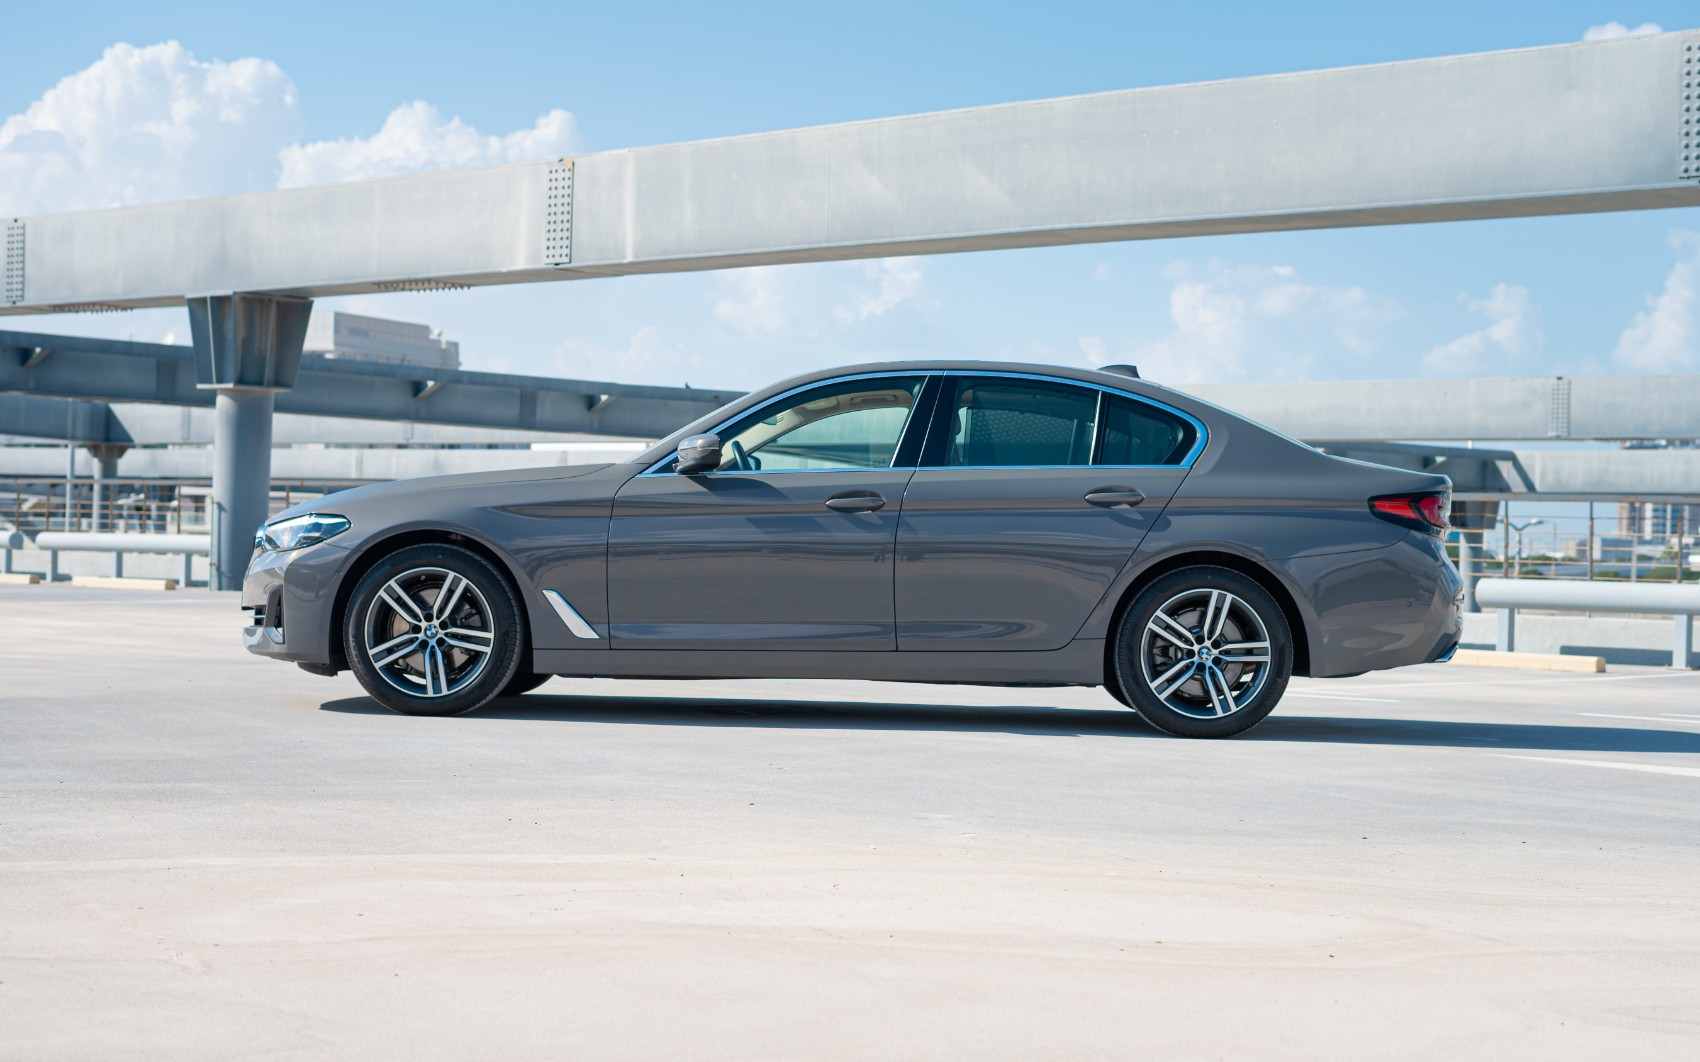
pixel 697 453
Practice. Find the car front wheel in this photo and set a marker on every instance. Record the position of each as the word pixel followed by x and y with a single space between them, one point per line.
pixel 1203 652
pixel 434 630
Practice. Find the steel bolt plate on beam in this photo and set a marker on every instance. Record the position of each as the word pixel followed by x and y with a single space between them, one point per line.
pixel 1690 161
pixel 558 213
pixel 12 290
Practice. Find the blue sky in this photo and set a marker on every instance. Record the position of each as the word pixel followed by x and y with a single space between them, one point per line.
pixel 349 90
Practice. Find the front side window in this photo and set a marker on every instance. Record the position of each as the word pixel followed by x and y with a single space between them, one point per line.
pixel 1136 433
pixel 846 424
pixel 1002 422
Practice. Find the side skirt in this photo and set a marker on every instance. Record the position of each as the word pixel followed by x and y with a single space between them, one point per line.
pixel 1080 663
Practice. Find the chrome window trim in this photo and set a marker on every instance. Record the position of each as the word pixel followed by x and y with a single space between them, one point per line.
pixel 923 374
pixel 1192 455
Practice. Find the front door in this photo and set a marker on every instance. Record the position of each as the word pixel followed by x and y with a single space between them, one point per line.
pixel 788 545
pixel 1031 499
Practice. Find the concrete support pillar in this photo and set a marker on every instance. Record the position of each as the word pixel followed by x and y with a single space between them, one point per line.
pixel 1507 642
pixel 105 459
pixel 1683 645
pixel 247 348
pixel 241 481
pixel 1469 543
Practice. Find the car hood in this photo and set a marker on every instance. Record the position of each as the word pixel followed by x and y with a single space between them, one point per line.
pixel 382 496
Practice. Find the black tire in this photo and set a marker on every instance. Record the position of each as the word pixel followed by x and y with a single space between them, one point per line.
pixel 1206 692
pixel 441 671
pixel 523 682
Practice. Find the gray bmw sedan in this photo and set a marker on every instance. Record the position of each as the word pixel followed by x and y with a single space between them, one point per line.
pixel 963 522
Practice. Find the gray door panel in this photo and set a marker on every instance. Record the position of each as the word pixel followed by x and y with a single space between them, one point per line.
pixel 1016 559
pixel 755 561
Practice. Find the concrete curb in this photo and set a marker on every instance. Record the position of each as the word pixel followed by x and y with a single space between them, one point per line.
pixel 1529 661
pixel 109 582
pixel 19 578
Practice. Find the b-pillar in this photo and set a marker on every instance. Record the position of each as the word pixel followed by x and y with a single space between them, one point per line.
pixel 247 348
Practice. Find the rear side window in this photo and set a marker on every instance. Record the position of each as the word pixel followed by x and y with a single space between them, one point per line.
pixel 1004 423
pixel 1140 434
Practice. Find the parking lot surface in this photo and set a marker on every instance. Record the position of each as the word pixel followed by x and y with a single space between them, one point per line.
pixel 203 854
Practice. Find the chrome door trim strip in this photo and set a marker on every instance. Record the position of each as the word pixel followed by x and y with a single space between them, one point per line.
pixel 569 615
pixel 718 428
pixel 1201 432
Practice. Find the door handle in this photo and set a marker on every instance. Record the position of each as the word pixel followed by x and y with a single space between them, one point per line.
pixel 856 501
pixel 1109 497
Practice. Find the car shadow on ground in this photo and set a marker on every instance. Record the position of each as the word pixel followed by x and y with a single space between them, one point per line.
pixel 1054 722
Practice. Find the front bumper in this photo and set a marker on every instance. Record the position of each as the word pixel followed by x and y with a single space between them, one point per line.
pixel 291 601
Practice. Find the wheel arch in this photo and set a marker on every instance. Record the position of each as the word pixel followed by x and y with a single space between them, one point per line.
pixel 378 549
pixel 1246 566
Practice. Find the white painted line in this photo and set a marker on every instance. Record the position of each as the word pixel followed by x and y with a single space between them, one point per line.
pixel 1340 697
pixel 1678 715
pixel 1534 681
pixel 1649 768
pixel 1643 718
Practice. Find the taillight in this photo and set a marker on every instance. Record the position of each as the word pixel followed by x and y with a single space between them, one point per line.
pixel 1425 512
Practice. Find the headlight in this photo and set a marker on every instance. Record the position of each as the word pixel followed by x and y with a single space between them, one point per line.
pixel 301 531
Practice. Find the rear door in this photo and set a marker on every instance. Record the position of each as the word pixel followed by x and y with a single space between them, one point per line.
pixel 1032 495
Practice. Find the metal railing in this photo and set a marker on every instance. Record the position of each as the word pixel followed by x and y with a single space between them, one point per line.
pixel 147 506
pixel 1681 603
pixel 1605 538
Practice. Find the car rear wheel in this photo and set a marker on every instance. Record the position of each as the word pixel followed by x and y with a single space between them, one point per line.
pixel 1203 652
pixel 434 630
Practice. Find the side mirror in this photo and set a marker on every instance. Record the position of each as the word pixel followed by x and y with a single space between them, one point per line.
pixel 698 453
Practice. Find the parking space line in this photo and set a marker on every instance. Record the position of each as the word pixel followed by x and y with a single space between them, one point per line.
pixel 1649 768
pixel 1642 718
pixel 1340 697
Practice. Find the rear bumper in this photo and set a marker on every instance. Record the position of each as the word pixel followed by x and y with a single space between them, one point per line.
pixel 291 598
pixel 1383 608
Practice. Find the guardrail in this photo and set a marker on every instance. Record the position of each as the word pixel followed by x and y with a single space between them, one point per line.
pixel 119 543
pixel 9 541
pixel 1681 603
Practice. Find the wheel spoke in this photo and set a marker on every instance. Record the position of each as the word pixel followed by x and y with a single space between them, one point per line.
pixel 1227 694
pixel 1244 652
pixel 1217 617
pixel 1162 687
pixel 436 672
pixel 1172 629
pixel 402 603
pixel 448 597
pixel 383 655
pixel 470 640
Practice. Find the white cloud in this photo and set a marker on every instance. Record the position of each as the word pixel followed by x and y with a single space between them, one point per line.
pixel 415 138
pixel 142 125
pixel 1233 322
pixel 1097 351
pixel 1613 30
pixel 758 305
pixel 791 302
pixel 650 357
pixel 896 280
pixel 146 124
pixel 1665 337
pixel 1513 331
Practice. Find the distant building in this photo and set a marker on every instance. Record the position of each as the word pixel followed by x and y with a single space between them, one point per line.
pixel 353 336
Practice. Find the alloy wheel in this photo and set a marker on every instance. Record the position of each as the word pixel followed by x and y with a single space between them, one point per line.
pixel 1205 653
pixel 428 632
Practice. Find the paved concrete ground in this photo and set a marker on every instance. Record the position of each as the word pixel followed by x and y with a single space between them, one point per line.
pixel 204 854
